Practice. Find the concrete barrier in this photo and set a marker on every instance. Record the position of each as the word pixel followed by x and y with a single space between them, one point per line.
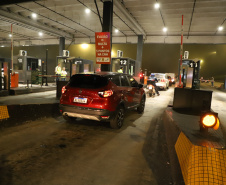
pixel 12 115
pixel 202 156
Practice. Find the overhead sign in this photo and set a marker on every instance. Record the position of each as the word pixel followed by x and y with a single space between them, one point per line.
pixel 103 47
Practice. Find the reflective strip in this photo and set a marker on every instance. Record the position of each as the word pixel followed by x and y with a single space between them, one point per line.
pixel 4 112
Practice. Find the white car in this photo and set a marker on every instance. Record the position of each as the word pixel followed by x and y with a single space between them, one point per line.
pixel 163 82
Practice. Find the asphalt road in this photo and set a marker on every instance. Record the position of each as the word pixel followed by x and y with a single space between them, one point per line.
pixel 52 151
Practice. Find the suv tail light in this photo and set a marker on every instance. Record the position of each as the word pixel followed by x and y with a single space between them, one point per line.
pixel 105 94
pixel 63 89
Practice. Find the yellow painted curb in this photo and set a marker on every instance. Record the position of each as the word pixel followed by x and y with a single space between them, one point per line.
pixel 4 112
pixel 200 165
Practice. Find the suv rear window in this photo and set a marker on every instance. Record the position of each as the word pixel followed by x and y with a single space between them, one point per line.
pixel 88 81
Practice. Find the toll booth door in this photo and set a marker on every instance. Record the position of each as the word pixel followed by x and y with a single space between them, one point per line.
pixel 115 65
pixel 86 68
pixel 189 77
pixel 75 69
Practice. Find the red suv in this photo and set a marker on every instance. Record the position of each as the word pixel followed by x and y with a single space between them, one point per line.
pixel 101 96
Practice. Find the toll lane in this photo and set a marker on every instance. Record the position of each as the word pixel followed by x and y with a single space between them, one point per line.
pixel 52 151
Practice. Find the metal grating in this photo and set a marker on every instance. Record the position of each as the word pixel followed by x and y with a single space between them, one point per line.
pixel 201 165
pixel 4 112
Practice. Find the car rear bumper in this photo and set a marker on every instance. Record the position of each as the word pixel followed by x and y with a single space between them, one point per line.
pixel 86 113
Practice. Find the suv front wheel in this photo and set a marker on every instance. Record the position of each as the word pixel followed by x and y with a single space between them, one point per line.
pixel 117 122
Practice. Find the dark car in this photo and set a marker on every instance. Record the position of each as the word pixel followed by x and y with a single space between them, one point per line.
pixel 102 96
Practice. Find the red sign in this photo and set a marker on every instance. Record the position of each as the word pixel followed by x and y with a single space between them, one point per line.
pixel 103 47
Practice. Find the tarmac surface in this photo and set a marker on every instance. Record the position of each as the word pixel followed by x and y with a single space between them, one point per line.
pixel 51 151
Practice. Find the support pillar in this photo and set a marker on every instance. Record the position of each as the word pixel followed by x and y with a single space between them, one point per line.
pixel 139 55
pixel 61 46
pixel 107 26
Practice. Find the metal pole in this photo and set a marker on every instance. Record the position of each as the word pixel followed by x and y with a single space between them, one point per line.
pixel 12 47
pixel 181 51
pixel 46 65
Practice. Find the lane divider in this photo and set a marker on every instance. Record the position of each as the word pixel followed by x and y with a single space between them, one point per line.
pixel 4 114
pixel 200 165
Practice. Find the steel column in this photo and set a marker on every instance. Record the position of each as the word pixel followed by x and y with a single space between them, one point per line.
pixel 107 26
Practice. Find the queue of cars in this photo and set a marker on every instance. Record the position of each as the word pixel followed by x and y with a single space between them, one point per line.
pixel 103 96
pixel 162 80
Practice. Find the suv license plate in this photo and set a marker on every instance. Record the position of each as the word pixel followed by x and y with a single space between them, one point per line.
pixel 80 100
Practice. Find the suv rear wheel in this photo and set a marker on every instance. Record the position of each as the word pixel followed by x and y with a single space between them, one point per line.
pixel 117 122
pixel 140 108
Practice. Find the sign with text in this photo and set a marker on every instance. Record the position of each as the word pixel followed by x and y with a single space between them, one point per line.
pixel 103 47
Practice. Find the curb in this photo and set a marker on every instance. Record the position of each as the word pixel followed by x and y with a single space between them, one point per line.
pixel 17 114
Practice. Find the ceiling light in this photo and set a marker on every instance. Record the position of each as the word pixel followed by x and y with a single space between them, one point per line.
pixel 164 29
pixel 157 5
pixel 220 28
pixel 87 10
pixel 84 46
pixel 34 15
pixel 40 34
pixel 10 35
pixel 116 30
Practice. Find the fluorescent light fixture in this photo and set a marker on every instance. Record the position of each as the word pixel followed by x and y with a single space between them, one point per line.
pixel 10 35
pixel 87 10
pixel 220 28
pixel 34 15
pixel 157 5
pixel 116 30
pixel 165 29
pixel 40 34
pixel 84 46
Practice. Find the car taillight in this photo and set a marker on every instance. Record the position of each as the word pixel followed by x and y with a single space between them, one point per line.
pixel 63 89
pixel 105 94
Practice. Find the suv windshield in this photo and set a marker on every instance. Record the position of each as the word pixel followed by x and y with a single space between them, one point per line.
pixel 88 81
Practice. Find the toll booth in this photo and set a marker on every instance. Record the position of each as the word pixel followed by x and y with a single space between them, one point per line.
pixel 5 64
pixel 27 67
pixel 75 65
pixel 190 73
pixel 72 66
pixel 128 65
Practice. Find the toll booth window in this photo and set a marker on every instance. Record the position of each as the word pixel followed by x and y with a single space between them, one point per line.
pixel 133 82
pixel 115 80
pixel 18 66
pixel 32 64
pixel 124 81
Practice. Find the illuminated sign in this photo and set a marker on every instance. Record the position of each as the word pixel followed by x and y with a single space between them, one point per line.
pixel 123 62
pixel 103 47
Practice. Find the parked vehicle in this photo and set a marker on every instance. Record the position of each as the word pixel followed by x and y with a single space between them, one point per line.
pixel 104 96
pixel 163 82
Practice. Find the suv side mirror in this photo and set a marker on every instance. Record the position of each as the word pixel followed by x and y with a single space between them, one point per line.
pixel 140 85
